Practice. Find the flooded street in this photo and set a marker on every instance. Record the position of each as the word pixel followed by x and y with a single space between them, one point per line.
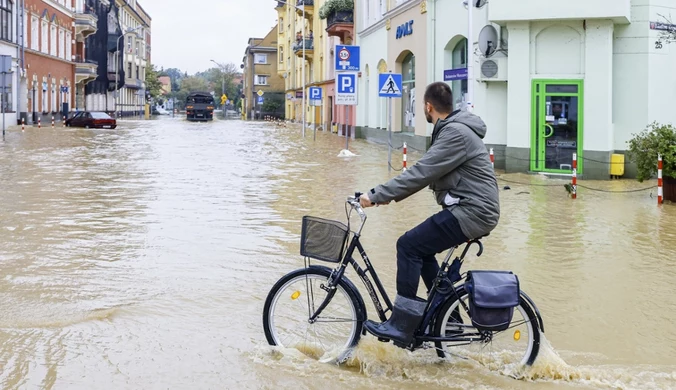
pixel 141 257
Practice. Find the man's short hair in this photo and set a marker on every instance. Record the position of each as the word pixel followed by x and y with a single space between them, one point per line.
pixel 439 95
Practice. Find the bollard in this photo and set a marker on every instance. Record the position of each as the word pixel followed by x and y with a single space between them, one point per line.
pixel 659 179
pixel 404 168
pixel 492 159
pixel 52 121
pixel 574 193
pixel 23 124
pixel 39 123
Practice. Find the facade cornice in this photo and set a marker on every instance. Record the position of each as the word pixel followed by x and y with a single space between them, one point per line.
pixel 407 6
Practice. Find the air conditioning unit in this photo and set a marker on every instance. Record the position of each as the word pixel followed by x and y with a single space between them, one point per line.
pixel 493 69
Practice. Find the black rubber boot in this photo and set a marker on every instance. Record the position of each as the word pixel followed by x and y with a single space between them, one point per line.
pixel 406 316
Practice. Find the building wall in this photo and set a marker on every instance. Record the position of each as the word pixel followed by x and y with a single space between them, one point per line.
pixel 373 43
pixel 8 46
pixel 48 55
pixel 262 76
pixel 131 98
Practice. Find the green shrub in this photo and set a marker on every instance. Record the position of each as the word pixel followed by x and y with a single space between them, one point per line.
pixel 644 147
pixel 332 6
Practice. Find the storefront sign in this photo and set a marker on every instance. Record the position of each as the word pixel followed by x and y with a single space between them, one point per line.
pixel 405 29
pixel 455 74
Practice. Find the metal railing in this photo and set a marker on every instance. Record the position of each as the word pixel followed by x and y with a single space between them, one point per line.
pixel 309 44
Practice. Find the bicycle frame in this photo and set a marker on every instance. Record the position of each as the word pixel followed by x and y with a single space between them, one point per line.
pixel 432 304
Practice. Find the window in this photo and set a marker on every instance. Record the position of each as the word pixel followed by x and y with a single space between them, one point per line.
pixel 54 98
pixel 35 34
pixel 260 58
pixel 129 44
pixel 281 25
pixel 128 75
pixel 62 44
pixel 7 98
pixel 261 80
pixel 408 94
pixel 69 47
pixel 6 20
pixel 138 72
pixel 281 54
pixel 52 41
pixel 459 60
pixel 44 45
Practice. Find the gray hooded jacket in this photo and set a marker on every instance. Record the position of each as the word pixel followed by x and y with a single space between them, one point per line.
pixel 457 168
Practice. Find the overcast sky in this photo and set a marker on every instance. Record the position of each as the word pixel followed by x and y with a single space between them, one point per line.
pixel 188 34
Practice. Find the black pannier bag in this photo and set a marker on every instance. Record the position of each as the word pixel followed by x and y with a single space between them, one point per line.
pixel 493 295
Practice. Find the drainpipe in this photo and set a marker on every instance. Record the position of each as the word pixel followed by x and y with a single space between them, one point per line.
pixel 433 67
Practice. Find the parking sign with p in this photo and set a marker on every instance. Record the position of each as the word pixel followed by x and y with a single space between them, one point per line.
pixel 346 89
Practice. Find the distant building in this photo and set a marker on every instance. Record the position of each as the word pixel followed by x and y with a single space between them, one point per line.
pixel 260 74
pixel 9 40
pixel 166 84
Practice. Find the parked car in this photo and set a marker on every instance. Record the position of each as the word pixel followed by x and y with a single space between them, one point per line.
pixel 92 119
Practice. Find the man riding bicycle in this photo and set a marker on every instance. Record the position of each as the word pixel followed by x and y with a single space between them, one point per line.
pixel 457 168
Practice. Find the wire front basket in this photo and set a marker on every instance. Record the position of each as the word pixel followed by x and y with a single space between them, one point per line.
pixel 323 239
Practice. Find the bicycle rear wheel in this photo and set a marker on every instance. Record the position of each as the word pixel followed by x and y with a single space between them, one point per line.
pixel 295 297
pixel 520 343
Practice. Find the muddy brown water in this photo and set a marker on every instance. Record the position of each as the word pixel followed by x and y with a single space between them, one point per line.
pixel 140 258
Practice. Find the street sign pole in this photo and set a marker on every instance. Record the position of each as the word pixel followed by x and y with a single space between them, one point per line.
pixel 347 127
pixel 2 102
pixel 389 134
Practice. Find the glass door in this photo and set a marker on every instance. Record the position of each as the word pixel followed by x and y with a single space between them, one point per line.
pixel 556 125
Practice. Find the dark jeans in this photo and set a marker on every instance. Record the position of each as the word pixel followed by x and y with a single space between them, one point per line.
pixel 417 247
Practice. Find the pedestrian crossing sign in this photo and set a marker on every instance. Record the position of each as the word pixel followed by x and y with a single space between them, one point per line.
pixel 389 85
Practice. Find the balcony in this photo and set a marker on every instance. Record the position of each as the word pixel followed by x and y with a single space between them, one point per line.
pixel 86 24
pixel 281 4
pixel 340 24
pixel 85 70
pixel 309 48
pixel 133 84
pixel 307 5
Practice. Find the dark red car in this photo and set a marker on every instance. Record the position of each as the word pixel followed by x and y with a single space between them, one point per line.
pixel 94 119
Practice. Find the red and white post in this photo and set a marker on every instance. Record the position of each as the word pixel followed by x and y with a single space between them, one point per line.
pixel 574 193
pixel 659 179
pixel 492 158
pixel 23 124
pixel 52 121
pixel 39 123
pixel 404 157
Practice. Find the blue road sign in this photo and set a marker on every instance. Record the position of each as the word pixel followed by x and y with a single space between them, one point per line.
pixel 315 93
pixel 260 100
pixel 389 85
pixel 346 89
pixel 347 58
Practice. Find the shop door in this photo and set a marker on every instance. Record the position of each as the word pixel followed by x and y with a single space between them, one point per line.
pixel 556 125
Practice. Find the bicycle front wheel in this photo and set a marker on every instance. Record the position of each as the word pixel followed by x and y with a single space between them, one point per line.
pixel 292 301
pixel 520 343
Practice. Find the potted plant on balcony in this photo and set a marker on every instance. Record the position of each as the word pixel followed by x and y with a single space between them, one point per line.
pixel 644 147
pixel 337 9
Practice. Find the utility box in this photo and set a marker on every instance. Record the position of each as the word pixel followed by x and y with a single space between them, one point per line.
pixel 616 164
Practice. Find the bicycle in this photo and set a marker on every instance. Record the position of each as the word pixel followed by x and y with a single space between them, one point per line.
pixel 458 311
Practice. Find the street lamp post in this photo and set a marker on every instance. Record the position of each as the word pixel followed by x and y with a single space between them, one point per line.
pixel 303 68
pixel 222 83
pixel 117 62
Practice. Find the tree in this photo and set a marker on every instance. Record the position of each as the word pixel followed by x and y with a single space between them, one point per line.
pixel 153 84
pixel 190 84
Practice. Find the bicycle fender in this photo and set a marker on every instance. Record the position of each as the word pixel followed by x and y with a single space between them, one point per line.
pixel 361 310
pixel 535 310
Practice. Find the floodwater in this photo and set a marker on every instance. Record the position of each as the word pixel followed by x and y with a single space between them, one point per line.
pixel 140 258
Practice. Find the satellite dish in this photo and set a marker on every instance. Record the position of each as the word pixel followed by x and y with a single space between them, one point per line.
pixel 479 3
pixel 488 40
pixel 504 39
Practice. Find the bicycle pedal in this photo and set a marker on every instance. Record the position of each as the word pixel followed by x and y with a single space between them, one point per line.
pixel 383 340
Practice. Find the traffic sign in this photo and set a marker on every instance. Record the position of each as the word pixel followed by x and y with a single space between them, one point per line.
pixel 260 92
pixel 347 58
pixel 315 96
pixel 346 90
pixel 389 85
pixel 260 100
pixel 315 93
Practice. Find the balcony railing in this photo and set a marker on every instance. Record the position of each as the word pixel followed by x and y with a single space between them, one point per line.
pixel 305 2
pixel 81 60
pixel 86 22
pixel 339 17
pixel 308 43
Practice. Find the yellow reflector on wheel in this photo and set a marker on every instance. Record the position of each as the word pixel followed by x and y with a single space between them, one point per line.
pixel 295 295
pixel 517 335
